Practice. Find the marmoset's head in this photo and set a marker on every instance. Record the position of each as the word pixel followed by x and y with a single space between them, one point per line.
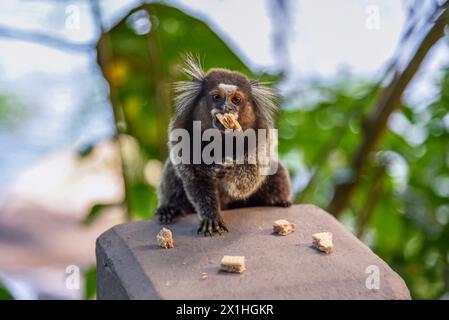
pixel 222 91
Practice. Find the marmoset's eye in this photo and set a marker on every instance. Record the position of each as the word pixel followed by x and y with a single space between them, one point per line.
pixel 216 97
pixel 236 100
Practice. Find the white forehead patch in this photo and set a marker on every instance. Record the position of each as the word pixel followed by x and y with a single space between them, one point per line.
pixel 227 87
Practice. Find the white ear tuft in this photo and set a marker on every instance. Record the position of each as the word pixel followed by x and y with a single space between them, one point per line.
pixel 265 99
pixel 192 67
pixel 186 92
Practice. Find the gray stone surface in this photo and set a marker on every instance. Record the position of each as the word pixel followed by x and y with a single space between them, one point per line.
pixel 130 265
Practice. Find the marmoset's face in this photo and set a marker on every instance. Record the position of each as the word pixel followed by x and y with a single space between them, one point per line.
pixel 225 92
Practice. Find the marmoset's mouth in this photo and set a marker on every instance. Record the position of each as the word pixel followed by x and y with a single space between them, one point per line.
pixel 225 121
pixel 217 125
pixel 215 122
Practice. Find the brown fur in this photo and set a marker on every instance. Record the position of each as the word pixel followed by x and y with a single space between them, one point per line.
pixel 207 189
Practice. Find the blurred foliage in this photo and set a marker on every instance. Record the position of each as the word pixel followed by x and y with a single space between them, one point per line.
pixel 11 112
pixel 4 294
pixel 419 211
pixel 400 208
pixel 95 211
pixel 90 283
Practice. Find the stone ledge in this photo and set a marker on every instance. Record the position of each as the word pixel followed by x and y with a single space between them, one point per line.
pixel 130 265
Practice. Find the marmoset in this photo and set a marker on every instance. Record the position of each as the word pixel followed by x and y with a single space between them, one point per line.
pixel 206 188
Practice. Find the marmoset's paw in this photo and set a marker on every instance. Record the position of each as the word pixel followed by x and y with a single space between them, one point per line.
pixel 211 226
pixel 283 203
pixel 167 213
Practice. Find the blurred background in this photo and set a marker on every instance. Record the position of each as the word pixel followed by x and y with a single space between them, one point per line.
pixel 85 101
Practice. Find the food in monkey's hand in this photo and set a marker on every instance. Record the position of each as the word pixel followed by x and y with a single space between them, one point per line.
pixel 283 227
pixel 233 264
pixel 165 238
pixel 323 241
pixel 228 121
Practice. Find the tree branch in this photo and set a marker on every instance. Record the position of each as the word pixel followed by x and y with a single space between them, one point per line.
pixel 372 200
pixel 376 123
pixel 104 57
pixel 48 40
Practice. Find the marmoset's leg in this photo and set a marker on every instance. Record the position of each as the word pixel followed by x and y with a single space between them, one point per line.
pixel 173 200
pixel 200 185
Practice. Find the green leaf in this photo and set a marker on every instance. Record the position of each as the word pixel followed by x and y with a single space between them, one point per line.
pixel 90 283
pixel 96 211
pixel 5 295
pixel 142 201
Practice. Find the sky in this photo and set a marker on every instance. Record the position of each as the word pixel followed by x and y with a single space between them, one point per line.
pixel 353 42
pixel 323 38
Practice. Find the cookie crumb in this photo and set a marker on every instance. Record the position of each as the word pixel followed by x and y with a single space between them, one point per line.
pixel 233 264
pixel 283 227
pixel 323 241
pixel 165 238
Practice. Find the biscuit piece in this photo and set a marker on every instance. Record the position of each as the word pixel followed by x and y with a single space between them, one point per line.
pixel 283 227
pixel 228 121
pixel 233 264
pixel 323 241
pixel 165 239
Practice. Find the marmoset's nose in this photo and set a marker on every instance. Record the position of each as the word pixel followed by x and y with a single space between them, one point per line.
pixel 228 106
pixel 225 107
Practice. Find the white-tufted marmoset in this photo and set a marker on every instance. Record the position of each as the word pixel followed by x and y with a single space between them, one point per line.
pixel 207 188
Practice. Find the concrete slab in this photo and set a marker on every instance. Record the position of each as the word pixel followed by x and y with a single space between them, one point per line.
pixel 130 265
